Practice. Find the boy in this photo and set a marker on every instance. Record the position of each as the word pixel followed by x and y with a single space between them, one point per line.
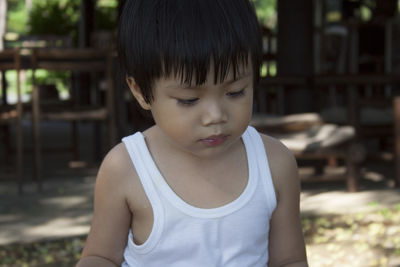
pixel 200 187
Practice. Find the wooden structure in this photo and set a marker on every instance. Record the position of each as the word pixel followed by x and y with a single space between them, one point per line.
pixel 55 53
pixel 344 69
pixel 366 126
pixel 351 84
pixel 76 60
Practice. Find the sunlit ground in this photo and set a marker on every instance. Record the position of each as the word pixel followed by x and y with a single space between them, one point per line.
pixel 362 239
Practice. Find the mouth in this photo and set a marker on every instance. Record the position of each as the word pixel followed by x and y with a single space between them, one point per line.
pixel 214 140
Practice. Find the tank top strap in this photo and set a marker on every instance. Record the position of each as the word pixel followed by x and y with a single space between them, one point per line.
pixel 262 165
pixel 137 149
pixel 135 146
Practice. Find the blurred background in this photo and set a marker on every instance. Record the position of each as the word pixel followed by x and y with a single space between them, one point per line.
pixel 329 90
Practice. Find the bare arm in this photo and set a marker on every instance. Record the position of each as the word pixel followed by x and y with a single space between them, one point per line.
pixel 286 242
pixel 112 217
pixel 95 261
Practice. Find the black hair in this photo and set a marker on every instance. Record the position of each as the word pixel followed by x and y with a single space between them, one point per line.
pixel 158 38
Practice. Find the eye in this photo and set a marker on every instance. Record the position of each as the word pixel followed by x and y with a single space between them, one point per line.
pixel 187 102
pixel 236 93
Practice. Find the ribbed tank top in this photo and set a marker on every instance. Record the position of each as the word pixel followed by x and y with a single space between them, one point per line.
pixel 182 235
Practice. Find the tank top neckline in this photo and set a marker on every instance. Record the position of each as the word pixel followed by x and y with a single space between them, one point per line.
pixel 193 211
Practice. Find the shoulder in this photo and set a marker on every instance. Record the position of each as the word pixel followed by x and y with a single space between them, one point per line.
pixel 282 163
pixel 116 164
pixel 117 173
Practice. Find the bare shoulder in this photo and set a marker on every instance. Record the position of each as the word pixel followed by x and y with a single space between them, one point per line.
pixel 116 165
pixel 282 163
pixel 117 173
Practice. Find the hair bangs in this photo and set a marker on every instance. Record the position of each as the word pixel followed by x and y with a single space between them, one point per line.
pixel 205 33
pixel 186 38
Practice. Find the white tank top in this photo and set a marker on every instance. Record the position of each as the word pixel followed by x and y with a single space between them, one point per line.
pixel 235 234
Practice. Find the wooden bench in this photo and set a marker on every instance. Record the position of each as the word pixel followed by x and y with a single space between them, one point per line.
pixel 308 137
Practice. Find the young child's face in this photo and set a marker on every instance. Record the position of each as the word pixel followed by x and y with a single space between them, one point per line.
pixel 203 120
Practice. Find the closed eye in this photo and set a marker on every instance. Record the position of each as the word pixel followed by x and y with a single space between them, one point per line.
pixel 236 93
pixel 187 102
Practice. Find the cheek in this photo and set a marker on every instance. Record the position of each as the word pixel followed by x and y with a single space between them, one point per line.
pixel 171 119
pixel 244 109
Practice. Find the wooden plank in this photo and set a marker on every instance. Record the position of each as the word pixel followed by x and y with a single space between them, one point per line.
pixel 78 54
pixel 356 79
pixel 7 54
pixel 68 65
pixel 339 79
pixel 285 124
pixel 76 115
pixel 283 80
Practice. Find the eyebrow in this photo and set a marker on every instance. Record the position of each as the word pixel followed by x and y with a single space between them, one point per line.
pixel 228 82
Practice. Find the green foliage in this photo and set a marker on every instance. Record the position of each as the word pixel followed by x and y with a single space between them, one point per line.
pixel 267 12
pixel 106 18
pixel 57 16
pixel 107 3
pixel 16 17
pixel 11 76
pixel 54 17
pixel 58 78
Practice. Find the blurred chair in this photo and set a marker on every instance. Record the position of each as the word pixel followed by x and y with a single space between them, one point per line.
pixel 78 61
pixel 12 114
pixel 308 135
pixel 310 138
pixel 371 115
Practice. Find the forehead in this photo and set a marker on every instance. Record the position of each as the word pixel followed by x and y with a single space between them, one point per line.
pixel 187 79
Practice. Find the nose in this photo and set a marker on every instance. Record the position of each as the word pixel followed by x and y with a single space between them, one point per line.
pixel 214 113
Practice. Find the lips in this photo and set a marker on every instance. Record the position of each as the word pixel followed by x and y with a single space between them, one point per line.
pixel 214 140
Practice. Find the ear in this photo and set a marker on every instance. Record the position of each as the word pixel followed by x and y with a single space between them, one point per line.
pixel 137 93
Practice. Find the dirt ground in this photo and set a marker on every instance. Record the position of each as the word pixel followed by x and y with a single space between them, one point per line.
pixel 356 240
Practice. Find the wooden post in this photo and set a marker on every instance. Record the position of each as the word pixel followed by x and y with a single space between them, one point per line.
pixel 396 124
pixel 36 126
pixel 352 175
pixel 19 154
pixel 295 52
pixel 112 131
